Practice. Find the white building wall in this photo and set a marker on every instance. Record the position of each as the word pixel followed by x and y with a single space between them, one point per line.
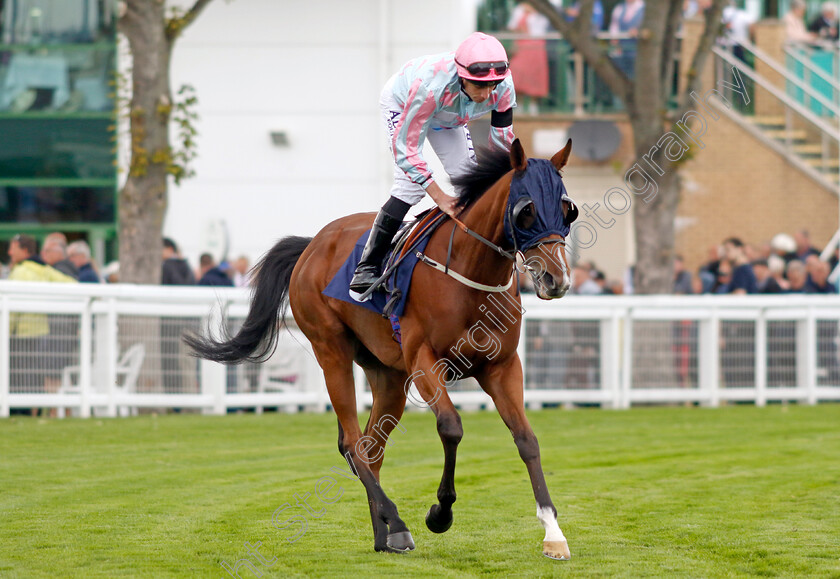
pixel 314 72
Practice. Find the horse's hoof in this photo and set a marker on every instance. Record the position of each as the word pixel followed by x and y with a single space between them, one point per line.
pixel 437 523
pixel 400 542
pixel 558 550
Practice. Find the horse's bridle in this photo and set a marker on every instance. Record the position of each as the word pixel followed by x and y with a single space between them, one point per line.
pixel 501 251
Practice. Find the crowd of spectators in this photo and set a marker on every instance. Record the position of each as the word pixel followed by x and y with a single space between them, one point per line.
pixel 74 261
pixel 41 345
pixel 786 264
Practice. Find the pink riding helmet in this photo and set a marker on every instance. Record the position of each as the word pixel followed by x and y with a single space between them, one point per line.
pixel 481 58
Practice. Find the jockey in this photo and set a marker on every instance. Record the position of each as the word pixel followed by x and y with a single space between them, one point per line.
pixel 434 97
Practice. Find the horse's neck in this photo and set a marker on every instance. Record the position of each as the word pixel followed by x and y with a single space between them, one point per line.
pixel 486 218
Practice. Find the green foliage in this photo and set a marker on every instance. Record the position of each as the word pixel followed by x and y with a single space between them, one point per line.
pixel 664 492
pixel 175 22
pixel 139 155
pixel 184 116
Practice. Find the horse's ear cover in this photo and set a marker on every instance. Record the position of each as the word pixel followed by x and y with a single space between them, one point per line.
pixel 518 159
pixel 561 157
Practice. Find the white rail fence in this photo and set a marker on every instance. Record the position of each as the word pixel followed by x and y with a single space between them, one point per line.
pixel 112 350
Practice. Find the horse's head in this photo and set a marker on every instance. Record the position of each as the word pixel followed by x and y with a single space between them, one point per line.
pixel 538 218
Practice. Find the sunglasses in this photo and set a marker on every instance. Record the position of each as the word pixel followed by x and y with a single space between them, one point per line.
pixel 480 69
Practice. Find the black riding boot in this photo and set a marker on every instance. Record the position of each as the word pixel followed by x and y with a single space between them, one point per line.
pixel 385 226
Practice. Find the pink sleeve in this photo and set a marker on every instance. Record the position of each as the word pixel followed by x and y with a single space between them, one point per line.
pixel 410 134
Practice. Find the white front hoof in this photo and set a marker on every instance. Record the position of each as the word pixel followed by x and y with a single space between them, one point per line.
pixel 558 550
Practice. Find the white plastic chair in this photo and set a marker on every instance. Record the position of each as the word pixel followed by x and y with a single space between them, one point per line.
pixel 286 370
pixel 128 370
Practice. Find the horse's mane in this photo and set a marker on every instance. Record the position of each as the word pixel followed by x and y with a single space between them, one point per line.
pixel 492 165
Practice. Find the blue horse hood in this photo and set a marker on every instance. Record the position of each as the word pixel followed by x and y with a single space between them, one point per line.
pixel 543 185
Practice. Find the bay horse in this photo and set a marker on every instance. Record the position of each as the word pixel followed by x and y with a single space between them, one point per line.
pixel 509 206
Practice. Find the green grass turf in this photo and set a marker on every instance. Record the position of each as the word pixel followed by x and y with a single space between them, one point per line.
pixel 666 492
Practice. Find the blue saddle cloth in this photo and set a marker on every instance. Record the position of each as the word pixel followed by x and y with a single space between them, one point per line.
pixel 399 281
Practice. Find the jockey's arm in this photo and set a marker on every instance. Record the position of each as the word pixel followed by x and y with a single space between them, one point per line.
pixel 501 119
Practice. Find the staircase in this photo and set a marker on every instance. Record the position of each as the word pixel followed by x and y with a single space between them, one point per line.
pixel 808 141
pixel 810 152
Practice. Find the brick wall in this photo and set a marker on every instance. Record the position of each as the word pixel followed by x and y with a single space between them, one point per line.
pixel 736 186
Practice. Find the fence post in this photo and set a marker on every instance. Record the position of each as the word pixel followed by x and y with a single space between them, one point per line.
pixel 214 382
pixel 213 375
pixel 761 358
pixel 708 362
pixel 111 353
pixel 806 356
pixel 5 356
pixel 85 356
pixel 610 350
pixel 622 394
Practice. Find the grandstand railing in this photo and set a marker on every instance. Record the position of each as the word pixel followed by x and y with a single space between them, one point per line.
pixel 574 88
pixel 609 351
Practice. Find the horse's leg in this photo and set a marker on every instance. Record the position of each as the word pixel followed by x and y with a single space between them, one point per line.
pixel 336 359
pixel 388 406
pixel 503 382
pixel 439 517
pixel 387 410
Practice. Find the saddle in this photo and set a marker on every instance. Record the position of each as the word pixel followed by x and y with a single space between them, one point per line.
pixel 389 293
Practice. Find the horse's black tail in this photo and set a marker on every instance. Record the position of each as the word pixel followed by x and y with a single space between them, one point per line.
pixel 257 338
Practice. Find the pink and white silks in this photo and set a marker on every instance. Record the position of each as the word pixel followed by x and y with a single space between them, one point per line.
pixel 425 101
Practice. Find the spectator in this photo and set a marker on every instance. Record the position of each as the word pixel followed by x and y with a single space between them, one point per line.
pixel 616 287
pixel 56 243
pixel 54 254
pixel 211 274
pixel 29 345
pixel 709 271
pixel 765 282
pixel 111 272
pixel 818 280
pixel 78 253
pixel 529 62
pixel 205 263
pixel 600 279
pixel 682 278
pixel 824 26
pixel 626 19
pixel 724 277
pixel 176 271
pixel 241 272
pixel 743 278
pixel 597 21
pixel 582 282
pixel 737 25
pixel 763 250
pixel 784 246
pixel 794 22
pixel 180 371
pixel 776 265
pixel 697 285
pixel 797 277
pixel 802 239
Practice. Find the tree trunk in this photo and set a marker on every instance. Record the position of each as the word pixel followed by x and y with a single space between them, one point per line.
pixel 654 218
pixel 143 199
